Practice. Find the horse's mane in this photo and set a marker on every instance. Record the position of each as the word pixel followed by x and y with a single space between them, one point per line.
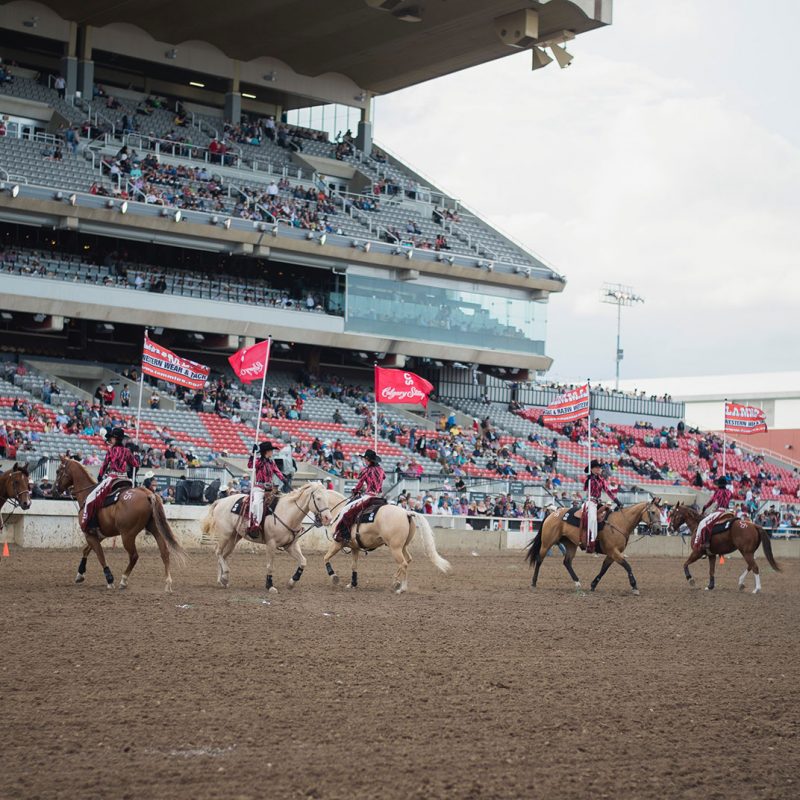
pixel 691 512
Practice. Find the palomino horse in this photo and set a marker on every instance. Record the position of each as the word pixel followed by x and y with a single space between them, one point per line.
pixel 15 486
pixel 392 526
pixel 743 535
pixel 137 508
pixel 613 539
pixel 282 528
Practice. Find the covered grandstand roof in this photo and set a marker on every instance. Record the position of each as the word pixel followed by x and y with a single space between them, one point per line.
pixel 370 41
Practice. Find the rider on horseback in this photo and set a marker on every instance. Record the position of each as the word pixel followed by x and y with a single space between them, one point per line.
pixel 722 499
pixel 115 467
pixel 263 489
pixel 370 482
pixel 593 507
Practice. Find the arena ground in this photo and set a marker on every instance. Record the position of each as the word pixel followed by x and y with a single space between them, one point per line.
pixel 470 686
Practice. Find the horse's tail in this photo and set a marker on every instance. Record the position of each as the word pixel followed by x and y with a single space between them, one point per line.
pixel 534 549
pixel 164 530
pixel 766 543
pixel 428 543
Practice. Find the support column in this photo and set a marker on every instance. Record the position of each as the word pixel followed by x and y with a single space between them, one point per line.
pixel 85 63
pixel 69 62
pixel 364 137
pixel 233 98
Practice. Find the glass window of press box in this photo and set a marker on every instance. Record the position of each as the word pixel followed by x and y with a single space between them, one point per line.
pixel 437 314
pixel 332 118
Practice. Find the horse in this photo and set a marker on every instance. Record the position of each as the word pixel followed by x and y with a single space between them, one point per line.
pixel 393 527
pixel 15 486
pixel 743 535
pixel 282 528
pixel 613 540
pixel 136 508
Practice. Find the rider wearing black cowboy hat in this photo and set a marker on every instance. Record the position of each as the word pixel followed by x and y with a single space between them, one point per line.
pixel 263 489
pixel 119 459
pixel 596 484
pixel 370 482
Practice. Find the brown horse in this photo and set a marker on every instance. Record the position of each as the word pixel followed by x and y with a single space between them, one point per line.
pixel 613 540
pixel 137 508
pixel 15 485
pixel 743 535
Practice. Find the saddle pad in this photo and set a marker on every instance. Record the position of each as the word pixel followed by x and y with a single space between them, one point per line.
pixel 370 511
pixel 575 521
pixel 723 526
pixel 115 493
pixel 241 505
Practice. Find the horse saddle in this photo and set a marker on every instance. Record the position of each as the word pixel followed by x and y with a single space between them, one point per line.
pixel 242 506
pixel 117 488
pixel 572 518
pixel 723 525
pixel 370 510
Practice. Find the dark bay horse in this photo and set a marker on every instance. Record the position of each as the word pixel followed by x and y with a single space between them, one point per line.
pixel 613 540
pixel 137 508
pixel 15 485
pixel 743 535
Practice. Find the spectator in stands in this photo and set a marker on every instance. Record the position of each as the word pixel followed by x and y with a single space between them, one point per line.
pixel 155 400
pixel 60 85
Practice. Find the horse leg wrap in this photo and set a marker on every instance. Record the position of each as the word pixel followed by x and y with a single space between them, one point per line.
pixel 107 573
pixel 269 582
pixel 329 568
pixel 354 579
pixel 298 573
pixel 82 567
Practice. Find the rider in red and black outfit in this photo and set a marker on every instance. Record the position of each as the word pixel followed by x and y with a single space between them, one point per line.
pixel 596 484
pixel 370 483
pixel 115 467
pixel 722 498
pixel 263 487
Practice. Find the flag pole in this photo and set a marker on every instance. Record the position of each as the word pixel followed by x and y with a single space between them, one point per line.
pixel 258 418
pixel 375 395
pixel 724 437
pixel 589 440
pixel 139 410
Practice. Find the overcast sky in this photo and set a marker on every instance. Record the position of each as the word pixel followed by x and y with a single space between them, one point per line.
pixel 667 157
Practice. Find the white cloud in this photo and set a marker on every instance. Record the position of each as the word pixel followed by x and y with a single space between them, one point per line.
pixel 615 172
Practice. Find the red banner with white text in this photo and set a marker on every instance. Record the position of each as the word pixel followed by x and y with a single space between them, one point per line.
pixel 251 363
pixel 569 406
pixel 399 386
pixel 161 363
pixel 744 419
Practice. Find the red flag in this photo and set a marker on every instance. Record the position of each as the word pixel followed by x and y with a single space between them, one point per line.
pixel 569 406
pixel 164 364
pixel 399 386
pixel 744 419
pixel 250 363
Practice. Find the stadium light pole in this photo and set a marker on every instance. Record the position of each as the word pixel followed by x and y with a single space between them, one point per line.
pixel 616 294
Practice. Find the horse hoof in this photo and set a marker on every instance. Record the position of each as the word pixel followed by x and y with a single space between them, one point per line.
pixel 272 590
pixel 709 589
pixel 335 580
pixel 123 586
pixel 756 591
pixel 741 587
pixel 79 579
pixel 109 586
pixel 396 586
pixel 635 592
pixel 691 582
pixel 593 587
pixel 350 586
pixel 290 585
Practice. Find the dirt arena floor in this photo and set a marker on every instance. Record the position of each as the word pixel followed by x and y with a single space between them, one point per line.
pixel 469 686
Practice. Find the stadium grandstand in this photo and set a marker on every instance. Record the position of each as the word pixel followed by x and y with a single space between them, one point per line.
pixel 228 187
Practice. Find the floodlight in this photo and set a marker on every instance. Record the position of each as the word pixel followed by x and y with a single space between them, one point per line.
pixel 73 199
pixel 561 55
pixel 177 216
pixel 540 58
pixel 322 239
pixel 227 224
pixel 123 207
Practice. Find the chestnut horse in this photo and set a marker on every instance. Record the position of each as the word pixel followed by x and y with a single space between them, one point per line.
pixel 137 508
pixel 15 486
pixel 393 527
pixel 613 539
pixel 743 535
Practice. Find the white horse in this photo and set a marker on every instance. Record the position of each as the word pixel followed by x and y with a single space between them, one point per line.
pixel 393 526
pixel 280 529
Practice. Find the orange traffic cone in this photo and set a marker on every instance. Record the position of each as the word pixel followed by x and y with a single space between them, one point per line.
pixel 721 560
pixel 6 554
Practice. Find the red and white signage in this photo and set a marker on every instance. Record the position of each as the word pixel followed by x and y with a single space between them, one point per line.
pixel 165 365
pixel 744 419
pixel 251 363
pixel 569 406
pixel 399 386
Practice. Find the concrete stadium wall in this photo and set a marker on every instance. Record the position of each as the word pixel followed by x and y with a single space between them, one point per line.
pixel 54 524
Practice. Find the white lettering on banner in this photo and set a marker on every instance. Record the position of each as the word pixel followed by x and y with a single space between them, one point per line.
pixel 254 369
pixel 407 379
pixel 390 393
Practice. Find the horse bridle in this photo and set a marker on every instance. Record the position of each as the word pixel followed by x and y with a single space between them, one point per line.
pixel 72 489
